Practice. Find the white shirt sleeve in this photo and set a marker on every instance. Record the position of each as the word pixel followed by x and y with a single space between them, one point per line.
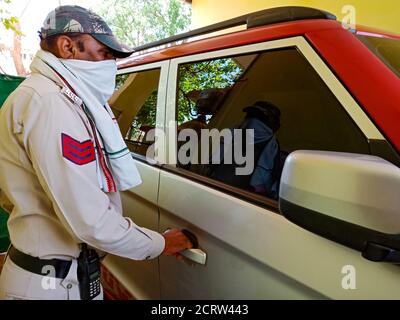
pixel 70 181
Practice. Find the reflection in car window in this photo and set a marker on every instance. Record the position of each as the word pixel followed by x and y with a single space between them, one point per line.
pixel 202 86
pixel 388 50
pixel 217 94
pixel 134 104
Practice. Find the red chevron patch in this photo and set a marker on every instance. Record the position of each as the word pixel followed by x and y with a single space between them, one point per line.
pixel 80 153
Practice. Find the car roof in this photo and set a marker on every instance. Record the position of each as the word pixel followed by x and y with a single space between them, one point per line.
pixel 230 40
pixel 252 21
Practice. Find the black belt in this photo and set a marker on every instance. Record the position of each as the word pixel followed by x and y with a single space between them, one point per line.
pixel 39 266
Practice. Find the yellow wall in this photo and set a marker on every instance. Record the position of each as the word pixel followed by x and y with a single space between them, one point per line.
pixel 382 14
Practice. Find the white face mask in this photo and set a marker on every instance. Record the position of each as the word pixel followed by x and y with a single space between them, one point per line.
pixel 98 76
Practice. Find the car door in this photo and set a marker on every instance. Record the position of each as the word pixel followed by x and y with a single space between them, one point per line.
pixel 252 251
pixel 139 106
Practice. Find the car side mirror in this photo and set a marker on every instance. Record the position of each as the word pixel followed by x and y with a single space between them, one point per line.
pixel 351 199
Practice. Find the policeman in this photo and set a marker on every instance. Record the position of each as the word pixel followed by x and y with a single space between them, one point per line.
pixel 63 162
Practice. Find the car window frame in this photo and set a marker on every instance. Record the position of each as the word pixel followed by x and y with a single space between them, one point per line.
pixel 340 92
pixel 161 102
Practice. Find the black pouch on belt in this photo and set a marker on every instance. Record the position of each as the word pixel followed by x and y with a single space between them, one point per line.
pixel 88 273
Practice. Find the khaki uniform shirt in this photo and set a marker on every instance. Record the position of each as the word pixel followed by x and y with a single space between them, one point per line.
pixel 48 171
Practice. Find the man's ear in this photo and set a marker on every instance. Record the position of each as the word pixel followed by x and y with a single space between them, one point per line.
pixel 65 47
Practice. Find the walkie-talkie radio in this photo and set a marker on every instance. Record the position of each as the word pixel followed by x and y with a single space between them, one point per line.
pixel 89 273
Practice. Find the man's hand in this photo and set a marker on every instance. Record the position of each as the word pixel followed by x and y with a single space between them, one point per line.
pixel 175 242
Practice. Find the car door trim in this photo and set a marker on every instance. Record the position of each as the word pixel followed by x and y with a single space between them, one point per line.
pixel 161 99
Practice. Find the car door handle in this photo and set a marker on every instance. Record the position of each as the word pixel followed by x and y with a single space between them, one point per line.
pixel 195 255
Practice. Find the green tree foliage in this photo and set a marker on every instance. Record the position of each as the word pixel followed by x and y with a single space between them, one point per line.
pixel 137 22
pixel 214 74
pixel 147 114
pixel 6 19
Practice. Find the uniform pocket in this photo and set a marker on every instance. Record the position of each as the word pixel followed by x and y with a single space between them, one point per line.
pixel 19 284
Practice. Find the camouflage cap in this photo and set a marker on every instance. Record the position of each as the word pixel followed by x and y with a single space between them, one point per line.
pixel 75 19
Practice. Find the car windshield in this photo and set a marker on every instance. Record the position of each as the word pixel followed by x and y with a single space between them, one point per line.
pixel 387 49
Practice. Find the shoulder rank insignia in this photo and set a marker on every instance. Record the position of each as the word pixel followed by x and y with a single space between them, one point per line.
pixel 80 153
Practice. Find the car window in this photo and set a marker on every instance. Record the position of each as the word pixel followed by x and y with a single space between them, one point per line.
pixel 247 113
pixel 388 50
pixel 134 104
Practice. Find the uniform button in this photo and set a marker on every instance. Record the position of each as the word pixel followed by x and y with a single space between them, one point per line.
pixel 69 286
